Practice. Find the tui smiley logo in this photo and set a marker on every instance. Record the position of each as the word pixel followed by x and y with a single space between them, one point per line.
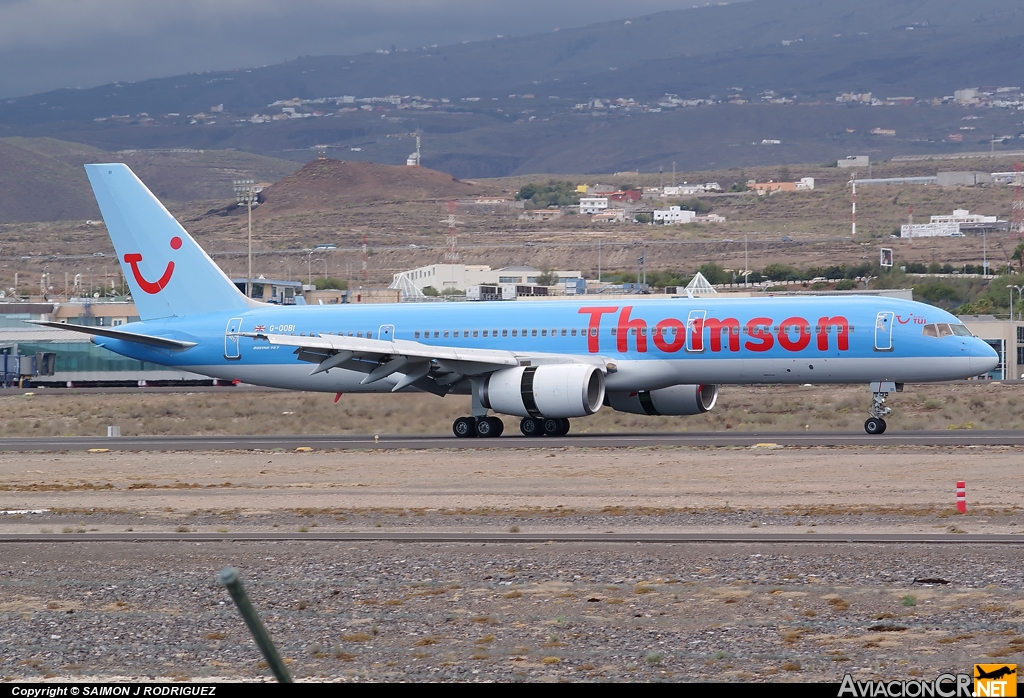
pixel 152 287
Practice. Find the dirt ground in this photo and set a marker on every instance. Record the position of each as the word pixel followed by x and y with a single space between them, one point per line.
pixel 232 487
pixel 390 611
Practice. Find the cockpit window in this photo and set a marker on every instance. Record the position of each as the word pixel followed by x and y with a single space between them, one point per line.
pixel 943 329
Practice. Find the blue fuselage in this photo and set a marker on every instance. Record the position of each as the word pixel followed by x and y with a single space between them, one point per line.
pixel 647 344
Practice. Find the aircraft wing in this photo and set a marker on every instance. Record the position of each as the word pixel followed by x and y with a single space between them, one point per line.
pixel 380 358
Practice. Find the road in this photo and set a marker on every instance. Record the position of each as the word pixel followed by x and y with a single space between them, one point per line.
pixel 533 538
pixel 389 441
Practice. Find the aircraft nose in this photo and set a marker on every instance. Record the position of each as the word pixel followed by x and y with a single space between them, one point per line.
pixel 983 357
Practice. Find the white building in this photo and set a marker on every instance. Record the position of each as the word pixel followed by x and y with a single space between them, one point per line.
pixel 962 215
pixel 673 215
pixel 593 204
pixel 930 230
pixel 854 161
pixel 805 184
pixel 462 276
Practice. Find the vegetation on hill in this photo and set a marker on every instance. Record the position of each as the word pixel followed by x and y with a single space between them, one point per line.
pixel 554 193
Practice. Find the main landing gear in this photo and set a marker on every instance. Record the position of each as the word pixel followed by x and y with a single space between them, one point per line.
pixel 492 427
pixel 879 393
pixel 484 427
pixel 546 426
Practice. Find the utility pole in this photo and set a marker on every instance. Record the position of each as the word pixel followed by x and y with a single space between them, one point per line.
pixel 746 260
pixel 853 210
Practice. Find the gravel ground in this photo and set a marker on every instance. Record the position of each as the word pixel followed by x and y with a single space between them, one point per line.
pixel 556 611
pixel 391 611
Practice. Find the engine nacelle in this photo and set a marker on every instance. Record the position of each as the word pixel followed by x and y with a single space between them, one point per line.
pixel 671 401
pixel 549 390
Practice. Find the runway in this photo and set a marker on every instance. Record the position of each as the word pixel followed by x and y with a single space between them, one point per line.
pixel 392 441
pixel 530 538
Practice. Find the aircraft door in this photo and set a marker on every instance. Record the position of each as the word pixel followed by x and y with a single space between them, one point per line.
pixel 883 331
pixel 231 349
pixel 695 330
pixel 386 333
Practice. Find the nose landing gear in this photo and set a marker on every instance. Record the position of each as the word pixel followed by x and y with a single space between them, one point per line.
pixel 879 393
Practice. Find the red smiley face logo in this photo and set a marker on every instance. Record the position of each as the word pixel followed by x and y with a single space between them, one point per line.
pixel 152 287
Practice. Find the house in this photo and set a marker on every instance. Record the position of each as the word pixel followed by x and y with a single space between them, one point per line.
pixel 631 195
pixel 611 215
pixel 762 188
pixel 593 204
pixel 673 215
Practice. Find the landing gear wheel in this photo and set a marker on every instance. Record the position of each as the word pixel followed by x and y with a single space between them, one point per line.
pixel 563 429
pixel 464 427
pixel 530 427
pixel 874 425
pixel 489 427
pixel 499 427
pixel 484 427
pixel 553 426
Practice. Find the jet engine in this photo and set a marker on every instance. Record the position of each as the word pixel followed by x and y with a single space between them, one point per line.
pixel 549 390
pixel 672 401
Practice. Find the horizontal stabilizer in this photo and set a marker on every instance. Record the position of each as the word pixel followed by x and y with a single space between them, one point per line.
pixel 148 340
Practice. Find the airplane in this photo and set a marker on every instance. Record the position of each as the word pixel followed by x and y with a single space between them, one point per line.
pixel 545 362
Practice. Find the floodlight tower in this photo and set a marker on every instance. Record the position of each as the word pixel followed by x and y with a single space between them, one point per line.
pixel 246 192
pixel 1017 215
pixel 853 208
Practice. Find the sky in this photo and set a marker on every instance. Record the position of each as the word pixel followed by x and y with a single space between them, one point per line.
pixel 51 44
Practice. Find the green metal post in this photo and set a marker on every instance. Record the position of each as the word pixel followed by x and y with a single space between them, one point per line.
pixel 229 578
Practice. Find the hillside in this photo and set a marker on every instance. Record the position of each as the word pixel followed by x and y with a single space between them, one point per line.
pixel 35 187
pixel 510 105
pixel 328 185
pixel 42 179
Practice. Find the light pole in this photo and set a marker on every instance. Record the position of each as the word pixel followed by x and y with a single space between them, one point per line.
pixel 245 194
pixel 309 265
pixel 1019 289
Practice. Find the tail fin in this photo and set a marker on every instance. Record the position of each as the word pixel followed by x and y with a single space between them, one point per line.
pixel 168 272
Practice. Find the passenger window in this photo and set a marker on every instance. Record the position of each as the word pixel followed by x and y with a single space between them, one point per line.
pixel 485 333
pixel 359 334
pixel 736 330
pixel 533 333
pixel 593 332
pixel 543 333
pixel 494 333
pixel 476 333
pixel 416 334
pixel 573 331
pixel 446 334
pixel 515 333
pixel 614 331
pixel 436 333
pixel 504 333
pixel 465 333
pixel 643 331
pixel 564 331
pixel 633 331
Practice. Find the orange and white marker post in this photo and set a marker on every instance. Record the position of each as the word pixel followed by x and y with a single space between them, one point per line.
pixel 961 497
